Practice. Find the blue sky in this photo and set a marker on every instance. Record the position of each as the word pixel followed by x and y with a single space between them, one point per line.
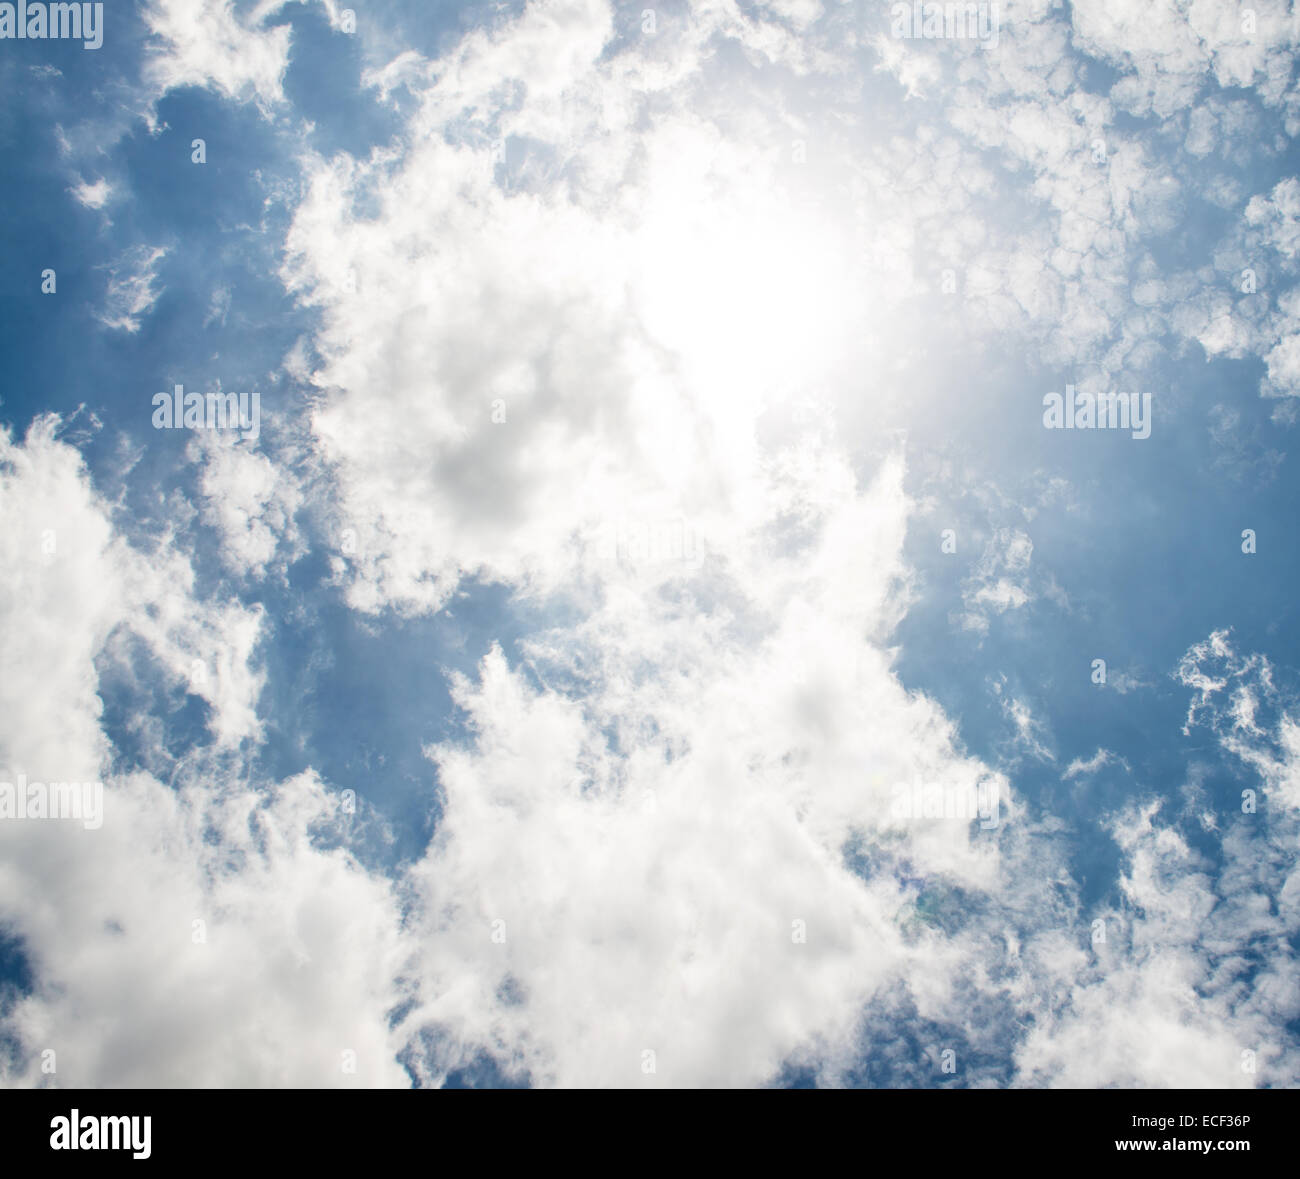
pixel 651 484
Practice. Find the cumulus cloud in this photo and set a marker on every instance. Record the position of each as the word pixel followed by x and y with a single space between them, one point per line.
pixel 251 501
pixel 649 848
pixel 209 43
pixel 203 906
pixel 559 224
pixel 566 341
pixel 618 323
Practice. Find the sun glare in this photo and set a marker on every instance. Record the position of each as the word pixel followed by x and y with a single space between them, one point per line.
pixel 751 294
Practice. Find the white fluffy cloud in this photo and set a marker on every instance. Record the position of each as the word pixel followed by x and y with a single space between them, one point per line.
pixel 1172 48
pixel 664 855
pixel 251 501
pixel 533 340
pixel 209 43
pixel 294 960
pixel 621 327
